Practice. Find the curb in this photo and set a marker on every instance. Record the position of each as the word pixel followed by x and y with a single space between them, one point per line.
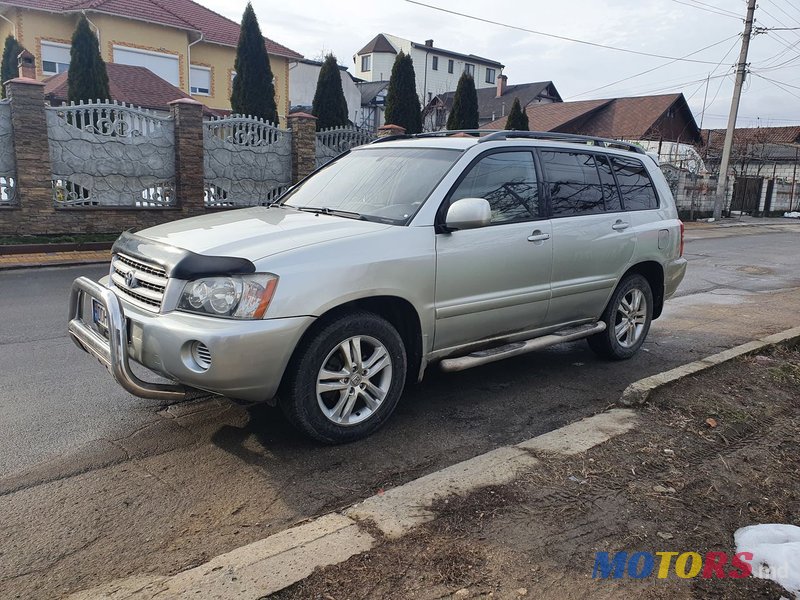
pixel 282 559
pixel 638 392
pixel 70 263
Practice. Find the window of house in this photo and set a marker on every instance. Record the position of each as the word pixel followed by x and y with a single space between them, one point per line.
pixel 164 65
pixel 508 181
pixel 450 65
pixel 200 80
pixel 635 185
pixel 469 69
pixel 435 63
pixel 490 75
pixel 55 58
pixel 574 183
pixel 366 62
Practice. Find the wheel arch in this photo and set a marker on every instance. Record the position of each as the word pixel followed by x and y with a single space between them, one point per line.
pixel 396 310
pixel 654 273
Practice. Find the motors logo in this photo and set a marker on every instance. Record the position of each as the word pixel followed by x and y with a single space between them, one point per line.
pixel 686 565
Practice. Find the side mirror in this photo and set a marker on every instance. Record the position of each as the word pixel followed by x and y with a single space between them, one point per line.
pixel 468 213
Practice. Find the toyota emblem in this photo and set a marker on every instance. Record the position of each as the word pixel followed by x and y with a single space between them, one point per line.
pixel 130 280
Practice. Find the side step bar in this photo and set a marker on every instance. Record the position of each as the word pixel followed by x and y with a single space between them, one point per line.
pixel 484 357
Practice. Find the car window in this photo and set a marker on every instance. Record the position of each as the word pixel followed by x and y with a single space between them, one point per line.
pixel 573 182
pixel 508 181
pixel 634 184
pixel 610 191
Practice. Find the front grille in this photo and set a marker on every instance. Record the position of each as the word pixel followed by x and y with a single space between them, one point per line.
pixel 147 282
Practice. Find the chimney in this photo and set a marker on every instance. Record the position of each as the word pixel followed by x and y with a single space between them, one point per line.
pixel 26 63
pixel 502 80
pixel 429 43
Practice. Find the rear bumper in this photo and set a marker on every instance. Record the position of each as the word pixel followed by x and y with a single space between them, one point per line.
pixel 248 358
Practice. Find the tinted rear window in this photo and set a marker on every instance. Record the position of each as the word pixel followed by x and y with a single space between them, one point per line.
pixel 634 184
pixel 610 191
pixel 573 182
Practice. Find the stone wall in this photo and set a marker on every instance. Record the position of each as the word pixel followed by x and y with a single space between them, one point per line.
pixel 106 168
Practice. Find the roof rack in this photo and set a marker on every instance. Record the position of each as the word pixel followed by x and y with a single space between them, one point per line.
pixel 562 137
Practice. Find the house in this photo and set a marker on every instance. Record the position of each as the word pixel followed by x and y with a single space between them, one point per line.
pixel 436 70
pixel 652 119
pixel 493 102
pixel 130 85
pixel 764 162
pixel 373 105
pixel 181 41
pixel 303 76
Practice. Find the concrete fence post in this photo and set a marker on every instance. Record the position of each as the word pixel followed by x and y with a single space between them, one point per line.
pixel 32 158
pixel 189 168
pixel 304 144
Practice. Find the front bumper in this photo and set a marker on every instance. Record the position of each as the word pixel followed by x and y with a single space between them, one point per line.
pixel 248 358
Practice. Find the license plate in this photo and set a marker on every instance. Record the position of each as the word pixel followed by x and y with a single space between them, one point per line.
pixel 100 316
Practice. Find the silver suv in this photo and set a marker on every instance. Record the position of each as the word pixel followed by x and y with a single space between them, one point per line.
pixel 456 250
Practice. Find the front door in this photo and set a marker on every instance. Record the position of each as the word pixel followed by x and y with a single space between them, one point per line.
pixel 495 280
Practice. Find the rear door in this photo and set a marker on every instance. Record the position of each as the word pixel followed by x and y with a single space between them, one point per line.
pixel 593 240
pixel 494 280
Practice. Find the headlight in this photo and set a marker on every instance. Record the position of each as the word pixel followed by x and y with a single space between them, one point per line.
pixel 236 297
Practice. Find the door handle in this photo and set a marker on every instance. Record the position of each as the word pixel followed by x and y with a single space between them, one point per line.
pixel 620 226
pixel 538 236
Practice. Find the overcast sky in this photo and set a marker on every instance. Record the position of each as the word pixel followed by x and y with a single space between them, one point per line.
pixel 663 27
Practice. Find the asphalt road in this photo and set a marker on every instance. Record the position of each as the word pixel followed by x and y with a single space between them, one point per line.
pixel 88 471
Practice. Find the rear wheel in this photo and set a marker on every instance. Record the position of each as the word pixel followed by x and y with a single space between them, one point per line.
pixel 346 380
pixel 627 318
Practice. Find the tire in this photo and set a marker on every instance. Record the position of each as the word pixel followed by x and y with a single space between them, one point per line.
pixel 611 343
pixel 342 404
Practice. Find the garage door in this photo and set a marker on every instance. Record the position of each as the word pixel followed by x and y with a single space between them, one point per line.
pixel 165 66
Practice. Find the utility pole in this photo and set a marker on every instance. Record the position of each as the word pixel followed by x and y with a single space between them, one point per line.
pixel 741 68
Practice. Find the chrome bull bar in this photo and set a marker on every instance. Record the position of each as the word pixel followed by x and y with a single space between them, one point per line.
pixel 112 352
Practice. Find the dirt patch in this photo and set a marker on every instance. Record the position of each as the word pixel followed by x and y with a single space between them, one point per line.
pixel 716 452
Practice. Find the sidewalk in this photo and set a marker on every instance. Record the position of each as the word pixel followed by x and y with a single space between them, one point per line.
pixel 711 454
pixel 53 259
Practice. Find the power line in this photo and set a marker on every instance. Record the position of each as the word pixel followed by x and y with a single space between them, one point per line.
pixel 645 72
pixel 778 85
pixel 719 8
pixel 559 37
pixel 716 12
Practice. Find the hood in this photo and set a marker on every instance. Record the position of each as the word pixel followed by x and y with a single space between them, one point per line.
pixel 257 232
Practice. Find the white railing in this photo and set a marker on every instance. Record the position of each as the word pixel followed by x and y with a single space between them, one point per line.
pixel 332 142
pixel 243 130
pixel 111 118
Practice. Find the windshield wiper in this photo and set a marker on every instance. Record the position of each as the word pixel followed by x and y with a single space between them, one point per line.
pixel 324 210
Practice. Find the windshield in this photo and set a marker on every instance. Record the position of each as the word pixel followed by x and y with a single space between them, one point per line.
pixel 382 184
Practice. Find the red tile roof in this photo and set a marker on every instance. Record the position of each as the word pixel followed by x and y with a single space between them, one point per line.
pixel 132 85
pixel 548 117
pixel 714 138
pixel 182 14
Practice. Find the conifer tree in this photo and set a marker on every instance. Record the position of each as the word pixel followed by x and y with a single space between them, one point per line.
pixel 402 102
pixel 253 91
pixel 9 68
pixel 517 118
pixel 464 113
pixel 330 105
pixel 87 78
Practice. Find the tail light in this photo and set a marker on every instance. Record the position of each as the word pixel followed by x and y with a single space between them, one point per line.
pixel 683 227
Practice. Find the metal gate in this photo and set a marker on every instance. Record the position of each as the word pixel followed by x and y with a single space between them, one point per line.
pixel 747 194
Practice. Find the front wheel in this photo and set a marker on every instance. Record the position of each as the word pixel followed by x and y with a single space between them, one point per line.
pixel 346 380
pixel 627 318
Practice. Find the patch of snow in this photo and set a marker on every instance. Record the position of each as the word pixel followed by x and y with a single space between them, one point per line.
pixel 792 215
pixel 776 553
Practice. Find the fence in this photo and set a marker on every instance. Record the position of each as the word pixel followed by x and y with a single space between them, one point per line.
pixel 330 143
pixel 247 161
pixel 106 167
pixel 109 154
pixel 8 192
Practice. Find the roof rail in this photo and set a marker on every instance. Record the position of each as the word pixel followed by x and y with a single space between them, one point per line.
pixel 562 137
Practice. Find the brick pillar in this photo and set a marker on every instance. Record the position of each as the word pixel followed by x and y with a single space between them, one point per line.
pixel 189 170
pixel 26 65
pixel 388 130
pixel 304 144
pixel 32 154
